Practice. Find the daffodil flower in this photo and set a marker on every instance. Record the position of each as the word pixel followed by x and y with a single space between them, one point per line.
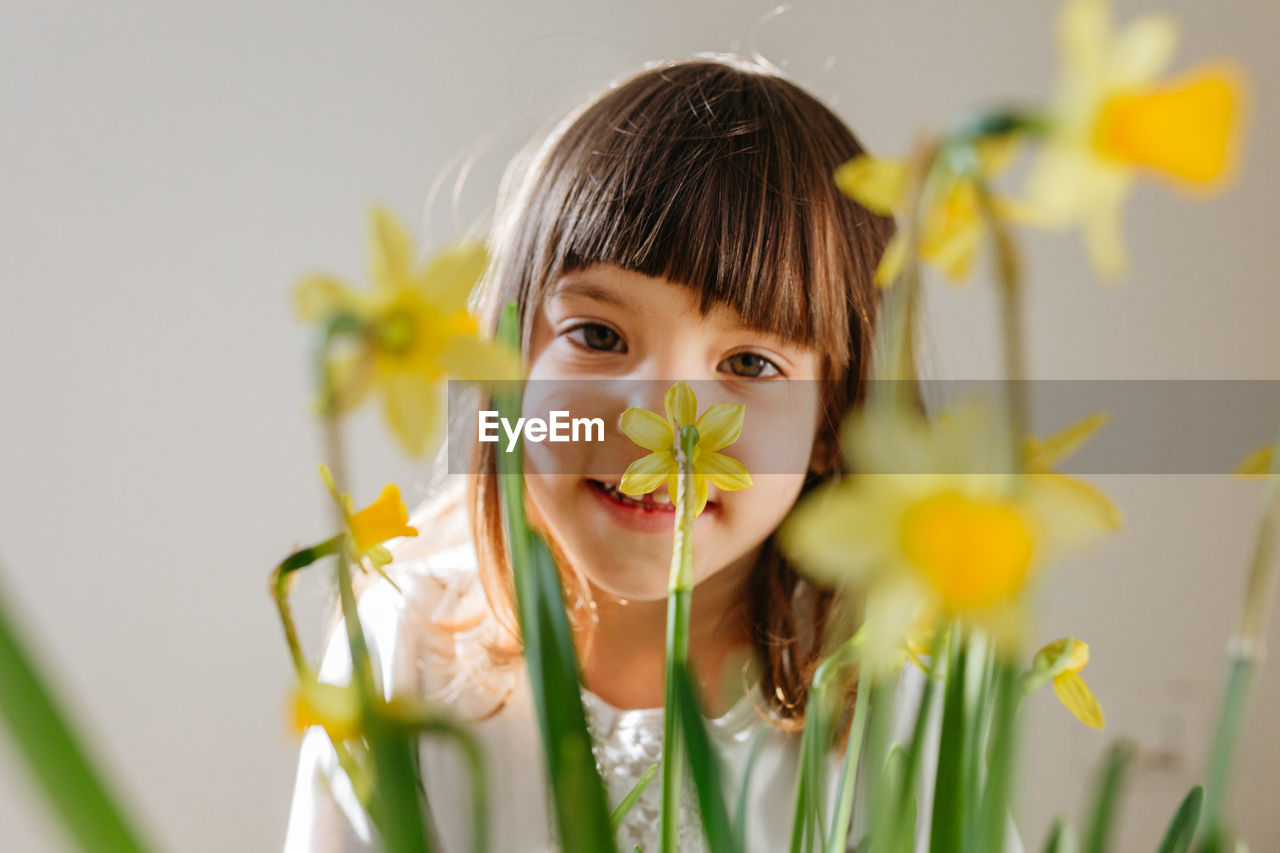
pixel 927 519
pixel 1112 116
pixel 952 226
pixel 334 707
pixel 1062 661
pixel 718 427
pixel 414 330
pixel 365 531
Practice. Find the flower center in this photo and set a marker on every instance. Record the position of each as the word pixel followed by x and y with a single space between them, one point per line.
pixel 1182 130
pixel 976 554
pixel 395 332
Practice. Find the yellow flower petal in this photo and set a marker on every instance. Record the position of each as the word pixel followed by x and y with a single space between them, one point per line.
pixel 646 429
pixel 411 406
pixel 1143 49
pixel 318 297
pixel 727 473
pixel 954 253
pixel 475 360
pixel 1075 695
pixel 329 483
pixel 1257 463
pixel 681 405
pixel 385 518
pixel 700 493
pixel 892 261
pixel 1061 655
pixel 1185 129
pixel 452 274
pixel 389 253
pixel 720 425
pixel 1083 28
pixel 1043 455
pixel 1075 514
pixel 647 473
pixel 877 184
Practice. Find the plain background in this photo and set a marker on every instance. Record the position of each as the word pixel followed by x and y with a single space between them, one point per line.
pixel 169 170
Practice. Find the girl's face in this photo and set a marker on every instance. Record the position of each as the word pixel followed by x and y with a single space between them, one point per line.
pixel 607 339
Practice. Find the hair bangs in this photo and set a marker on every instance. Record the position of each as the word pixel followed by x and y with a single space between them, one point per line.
pixel 719 180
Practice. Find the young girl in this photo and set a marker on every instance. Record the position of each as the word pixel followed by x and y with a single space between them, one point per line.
pixel 682 225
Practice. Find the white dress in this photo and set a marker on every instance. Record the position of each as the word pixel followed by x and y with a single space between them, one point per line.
pixel 410 654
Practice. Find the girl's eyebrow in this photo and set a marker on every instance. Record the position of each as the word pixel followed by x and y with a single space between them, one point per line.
pixel 589 289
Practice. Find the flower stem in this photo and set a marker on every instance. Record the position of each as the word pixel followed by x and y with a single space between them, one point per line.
pixel 895 333
pixel 281 583
pixel 1245 653
pixel 680 591
pixel 1009 278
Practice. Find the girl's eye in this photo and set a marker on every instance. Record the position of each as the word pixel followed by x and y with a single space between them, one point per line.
pixel 751 365
pixel 595 336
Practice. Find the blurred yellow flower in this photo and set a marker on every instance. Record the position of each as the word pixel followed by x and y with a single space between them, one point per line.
pixel 1257 463
pixel 718 427
pixel 1062 661
pixel 414 329
pixel 334 707
pixel 365 531
pixel 1111 116
pixel 930 516
pixel 951 227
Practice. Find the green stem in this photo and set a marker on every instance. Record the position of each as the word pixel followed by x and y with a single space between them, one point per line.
pixel 895 333
pixel 396 806
pixel 1011 307
pixel 282 581
pixel 839 838
pixel 1245 653
pixel 427 722
pixel 680 591
pixel 56 756
pixel 995 795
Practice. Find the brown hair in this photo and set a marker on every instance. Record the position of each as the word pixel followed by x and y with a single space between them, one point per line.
pixel 716 174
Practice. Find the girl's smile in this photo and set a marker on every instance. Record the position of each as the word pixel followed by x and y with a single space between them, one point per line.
pixel 651 513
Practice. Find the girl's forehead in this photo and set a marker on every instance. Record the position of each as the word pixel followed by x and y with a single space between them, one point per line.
pixel 637 293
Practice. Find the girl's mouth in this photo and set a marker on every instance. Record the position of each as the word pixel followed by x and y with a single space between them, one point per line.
pixel 648 503
pixel 651 511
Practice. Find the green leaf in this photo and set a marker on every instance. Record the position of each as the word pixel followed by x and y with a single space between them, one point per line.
pixel 582 811
pixel 949 818
pixel 620 813
pixel 89 811
pixel 1182 828
pixel 704 767
pixel 1106 798
pixel 740 816
pixel 1062 838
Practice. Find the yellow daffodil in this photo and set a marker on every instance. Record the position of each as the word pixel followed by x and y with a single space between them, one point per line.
pixel 366 530
pixel 718 427
pixel 929 516
pixel 1112 116
pixel 1062 661
pixel 951 227
pixel 334 707
pixel 414 330
pixel 1257 463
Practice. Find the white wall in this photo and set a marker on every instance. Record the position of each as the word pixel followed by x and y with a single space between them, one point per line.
pixel 170 169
